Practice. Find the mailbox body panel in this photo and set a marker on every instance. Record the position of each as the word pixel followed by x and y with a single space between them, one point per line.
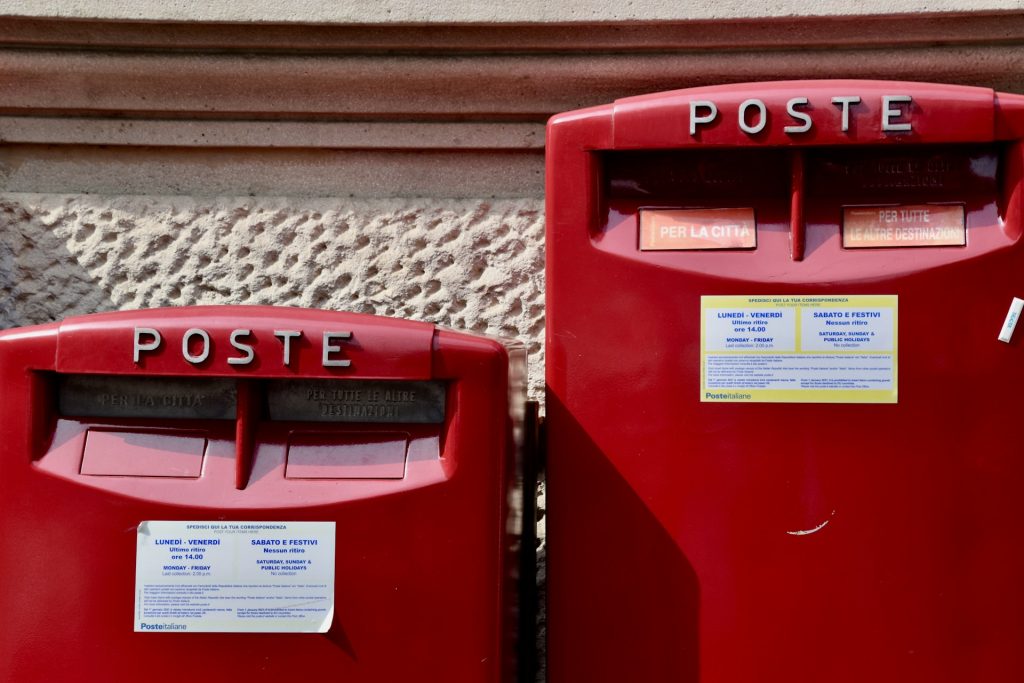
pixel 742 542
pixel 425 562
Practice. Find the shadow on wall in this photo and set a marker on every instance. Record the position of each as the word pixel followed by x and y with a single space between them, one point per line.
pixel 468 264
pixel 40 278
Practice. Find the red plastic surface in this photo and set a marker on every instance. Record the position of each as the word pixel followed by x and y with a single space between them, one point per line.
pixel 425 567
pixel 736 543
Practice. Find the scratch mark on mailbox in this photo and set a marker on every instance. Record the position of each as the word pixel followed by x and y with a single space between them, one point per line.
pixel 808 532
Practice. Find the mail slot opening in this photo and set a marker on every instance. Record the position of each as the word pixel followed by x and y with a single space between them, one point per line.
pixel 352 437
pixel 342 401
pixel 862 197
pixel 695 199
pixel 175 398
pixel 920 196
pixel 132 426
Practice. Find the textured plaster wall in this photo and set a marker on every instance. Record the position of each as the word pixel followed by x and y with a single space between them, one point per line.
pixel 445 11
pixel 468 264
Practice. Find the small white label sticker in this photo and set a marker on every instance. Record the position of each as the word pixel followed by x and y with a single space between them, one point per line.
pixel 234 577
pixel 1012 316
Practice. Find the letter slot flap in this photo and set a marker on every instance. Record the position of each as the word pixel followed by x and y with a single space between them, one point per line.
pixel 351 455
pixel 143 454
pixel 416 402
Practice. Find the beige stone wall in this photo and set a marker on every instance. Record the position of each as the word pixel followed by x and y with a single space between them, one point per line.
pixel 462 263
pixel 447 11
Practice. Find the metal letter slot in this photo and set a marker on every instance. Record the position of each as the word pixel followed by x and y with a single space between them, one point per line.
pixel 357 401
pixel 146 397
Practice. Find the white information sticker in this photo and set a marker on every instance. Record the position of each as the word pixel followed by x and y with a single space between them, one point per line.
pixel 234 577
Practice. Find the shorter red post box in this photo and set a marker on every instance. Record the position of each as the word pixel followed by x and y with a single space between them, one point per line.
pixel 258 494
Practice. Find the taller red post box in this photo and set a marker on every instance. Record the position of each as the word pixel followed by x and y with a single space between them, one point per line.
pixel 258 494
pixel 783 385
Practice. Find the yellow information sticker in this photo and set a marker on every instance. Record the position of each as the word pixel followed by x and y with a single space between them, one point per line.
pixel 798 349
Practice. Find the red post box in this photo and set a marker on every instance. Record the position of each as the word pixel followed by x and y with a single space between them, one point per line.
pixel 268 494
pixel 780 401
